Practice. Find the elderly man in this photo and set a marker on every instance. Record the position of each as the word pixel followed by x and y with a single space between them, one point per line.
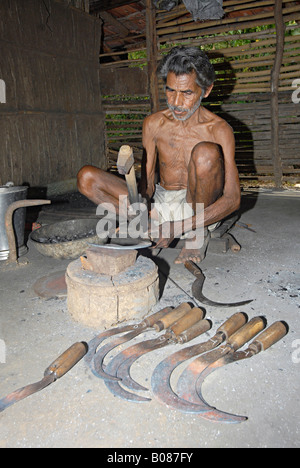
pixel 196 155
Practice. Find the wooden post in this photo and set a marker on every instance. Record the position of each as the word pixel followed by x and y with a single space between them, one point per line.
pixel 151 40
pixel 275 75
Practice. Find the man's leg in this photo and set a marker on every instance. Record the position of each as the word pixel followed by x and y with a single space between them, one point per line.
pixel 101 186
pixel 205 185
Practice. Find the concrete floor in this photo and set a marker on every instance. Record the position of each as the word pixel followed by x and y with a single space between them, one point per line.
pixel 79 411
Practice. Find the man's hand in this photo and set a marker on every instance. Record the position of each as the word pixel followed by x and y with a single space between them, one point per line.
pixel 163 236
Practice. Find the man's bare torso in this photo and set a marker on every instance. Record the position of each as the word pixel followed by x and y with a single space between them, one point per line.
pixel 175 141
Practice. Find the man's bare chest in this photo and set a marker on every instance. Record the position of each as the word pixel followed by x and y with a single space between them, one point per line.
pixel 179 143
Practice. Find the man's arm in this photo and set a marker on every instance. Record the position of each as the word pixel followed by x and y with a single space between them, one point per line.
pixel 230 199
pixel 149 145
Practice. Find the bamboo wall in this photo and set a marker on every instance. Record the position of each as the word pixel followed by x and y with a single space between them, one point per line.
pixel 242 90
pixel 52 122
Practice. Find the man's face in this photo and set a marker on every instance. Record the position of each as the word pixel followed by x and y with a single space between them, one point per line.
pixel 183 95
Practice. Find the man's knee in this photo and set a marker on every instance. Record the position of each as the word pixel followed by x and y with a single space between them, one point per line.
pixel 85 178
pixel 206 156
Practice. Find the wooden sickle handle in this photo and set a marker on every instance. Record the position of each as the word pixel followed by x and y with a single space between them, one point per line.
pixel 172 316
pixel 188 320
pixel 150 321
pixel 246 333
pixel 270 336
pixel 67 360
pixel 196 330
pixel 233 324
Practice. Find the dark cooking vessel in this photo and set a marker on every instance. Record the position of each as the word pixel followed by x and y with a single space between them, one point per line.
pixel 53 240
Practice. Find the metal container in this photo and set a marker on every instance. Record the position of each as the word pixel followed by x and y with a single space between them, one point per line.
pixel 9 194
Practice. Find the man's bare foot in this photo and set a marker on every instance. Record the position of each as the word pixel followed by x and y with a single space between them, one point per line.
pixel 195 255
pixel 190 253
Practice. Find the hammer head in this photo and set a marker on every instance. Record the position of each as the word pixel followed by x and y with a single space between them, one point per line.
pixel 125 159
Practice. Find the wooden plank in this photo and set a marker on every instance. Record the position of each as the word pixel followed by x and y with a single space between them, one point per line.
pixel 151 40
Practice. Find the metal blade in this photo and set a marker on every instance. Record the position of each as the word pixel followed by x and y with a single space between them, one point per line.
pixel 95 342
pixel 223 361
pixel 161 377
pixel 198 285
pixel 24 392
pixel 186 386
pixel 116 389
pixel 132 353
pixel 118 243
pixel 97 365
pixel 123 371
pixel 203 409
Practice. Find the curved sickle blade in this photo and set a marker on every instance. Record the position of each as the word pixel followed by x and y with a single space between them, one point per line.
pixel 131 353
pixel 123 371
pixel 198 285
pixel 223 361
pixel 188 334
pixel 116 389
pixel 24 392
pixel 161 377
pixel 95 342
pixel 161 387
pixel 186 385
pixel 97 365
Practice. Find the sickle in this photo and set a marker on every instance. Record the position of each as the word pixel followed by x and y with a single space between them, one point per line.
pixel 56 370
pixel 161 377
pixel 266 339
pixel 96 364
pixel 159 320
pixel 123 371
pixel 237 340
pixel 186 386
pixel 198 285
pixel 130 355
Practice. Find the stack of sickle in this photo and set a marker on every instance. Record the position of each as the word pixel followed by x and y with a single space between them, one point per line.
pixel 235 331
pixel 189 396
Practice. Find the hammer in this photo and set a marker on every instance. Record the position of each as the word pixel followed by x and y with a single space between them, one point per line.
pixel 125 165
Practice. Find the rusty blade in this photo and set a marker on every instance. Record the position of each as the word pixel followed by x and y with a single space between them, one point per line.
pixel 124 360
pixel 198 285
pixel 180 335
pixel 161 377
pixel 132 353
pixel 95 342
pixel 96 365
pixel 266 339
pixel 24 392
pixel 186 386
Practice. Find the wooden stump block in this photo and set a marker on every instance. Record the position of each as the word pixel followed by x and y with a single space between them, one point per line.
pixel 100 301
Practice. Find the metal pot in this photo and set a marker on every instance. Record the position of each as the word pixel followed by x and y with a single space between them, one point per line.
pixel 66 249
pixel 9 194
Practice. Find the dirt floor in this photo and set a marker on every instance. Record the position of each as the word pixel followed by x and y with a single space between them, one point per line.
pixel 79 411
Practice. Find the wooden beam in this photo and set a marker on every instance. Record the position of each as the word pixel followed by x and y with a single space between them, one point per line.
pixel 108 18
pixel 104 5
pixel 151 41
pixel 275 76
